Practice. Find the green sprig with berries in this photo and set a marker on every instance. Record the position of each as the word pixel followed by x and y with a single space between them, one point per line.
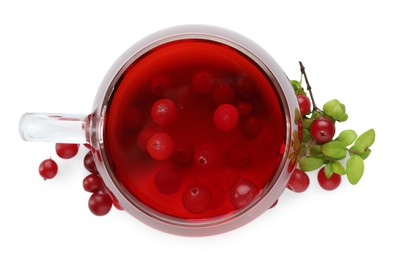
pixel 344 154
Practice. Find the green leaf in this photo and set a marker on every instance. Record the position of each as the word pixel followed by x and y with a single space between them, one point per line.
pixel 307 122
pixel 334 149
pixel 328 170
pixel 330 106
pixel 306 135
pixel 297 86
pixel 336 110
pixel 347 137
pixel 309 163
pixel 354 169
pixel 339 114
pixel 365 154
pixel 364 141
pixel 315 150
pixel 342 118
pixel 316 114
pixel 338 168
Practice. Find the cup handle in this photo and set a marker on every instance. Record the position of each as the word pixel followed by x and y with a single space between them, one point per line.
pixel 55 128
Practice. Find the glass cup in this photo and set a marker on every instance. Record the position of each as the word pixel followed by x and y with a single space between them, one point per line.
pixel 222 155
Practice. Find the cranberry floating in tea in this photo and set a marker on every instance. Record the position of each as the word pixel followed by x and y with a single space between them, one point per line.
pixel 191 132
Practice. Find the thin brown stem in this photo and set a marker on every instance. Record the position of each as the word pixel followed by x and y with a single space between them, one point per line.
pixel 307 150
pixel 302 70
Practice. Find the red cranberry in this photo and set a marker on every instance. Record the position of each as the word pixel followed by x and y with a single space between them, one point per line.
pixel 299 181
pixel 226 117
pixel 202 82
pixel 144 135
pixel 206 154
pixel 322 129
pixel 160 146
pixel 164 112
pixel 66 151
pixel 92 183
pixel 242 193
pixel 244 107
pixel 100 203
pixel 304 104
pixel 252 127
pixel 196 199
pixel 246 88
pixel 48 169
pixel 89 163
pixel 328 183
pixel 160 84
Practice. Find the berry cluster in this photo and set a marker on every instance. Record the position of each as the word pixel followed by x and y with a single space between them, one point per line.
pixel 343 155
pixel 101 200
pixel 48 168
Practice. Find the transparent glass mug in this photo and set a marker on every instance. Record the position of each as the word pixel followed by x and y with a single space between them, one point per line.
pixel 199 199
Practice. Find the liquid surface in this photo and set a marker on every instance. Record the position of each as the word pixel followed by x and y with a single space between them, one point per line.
pixel 212 165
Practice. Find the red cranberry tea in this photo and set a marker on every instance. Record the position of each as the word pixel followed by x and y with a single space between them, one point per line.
pixel 194 130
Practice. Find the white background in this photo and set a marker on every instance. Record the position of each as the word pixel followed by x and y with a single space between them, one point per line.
pixel 54 55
